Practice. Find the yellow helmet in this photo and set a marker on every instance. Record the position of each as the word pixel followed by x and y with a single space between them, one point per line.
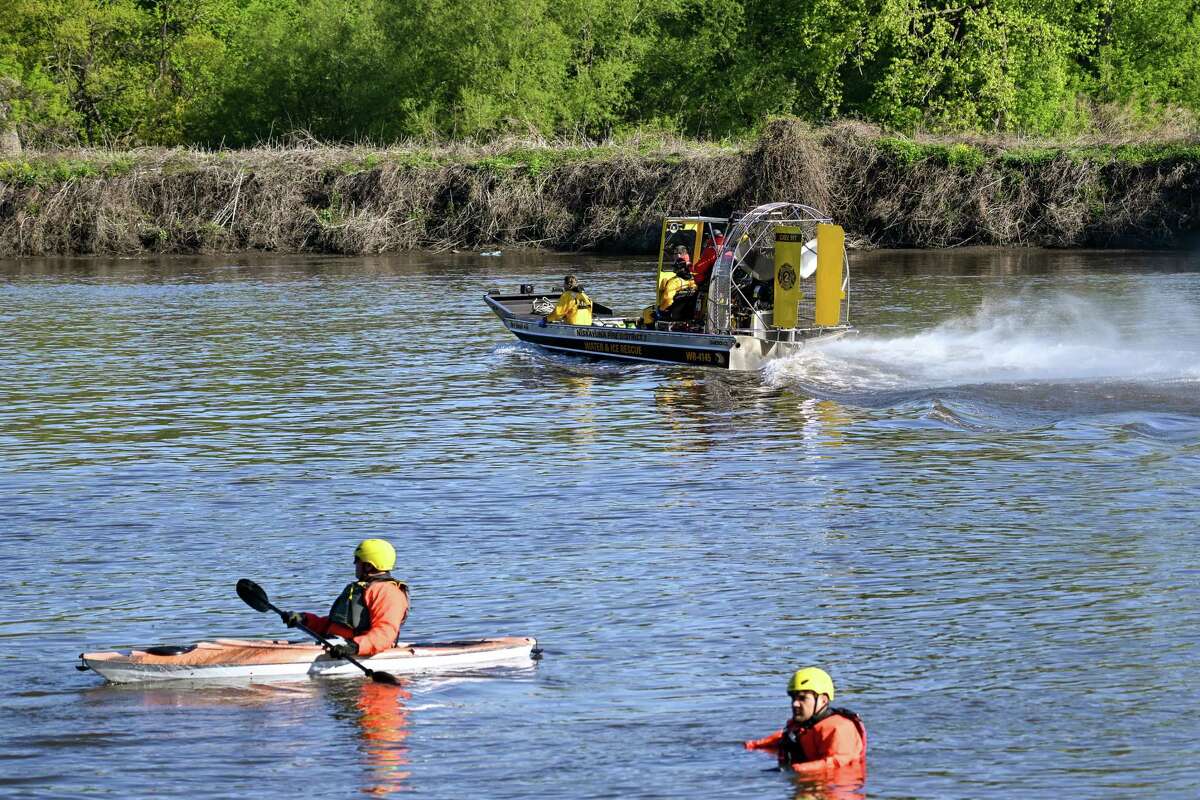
pixel 811 679
pixel 376 552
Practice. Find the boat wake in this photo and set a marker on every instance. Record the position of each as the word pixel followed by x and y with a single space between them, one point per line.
pixel 1063 353
pixel 519 355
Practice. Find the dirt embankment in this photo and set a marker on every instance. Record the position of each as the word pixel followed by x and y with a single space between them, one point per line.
pixel 887 191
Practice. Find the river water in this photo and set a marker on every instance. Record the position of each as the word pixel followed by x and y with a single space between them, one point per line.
pixel 979 514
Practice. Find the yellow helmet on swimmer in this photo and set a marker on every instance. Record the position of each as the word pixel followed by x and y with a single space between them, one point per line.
pixel 811 679
pixel 376 552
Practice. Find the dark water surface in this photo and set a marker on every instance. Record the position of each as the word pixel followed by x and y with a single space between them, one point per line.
pixel 980 515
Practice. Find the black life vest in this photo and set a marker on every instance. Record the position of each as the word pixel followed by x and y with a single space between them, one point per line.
pixel 790 749
pixel 350 610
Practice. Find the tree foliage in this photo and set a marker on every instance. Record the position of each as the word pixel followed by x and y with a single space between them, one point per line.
pixel 123 72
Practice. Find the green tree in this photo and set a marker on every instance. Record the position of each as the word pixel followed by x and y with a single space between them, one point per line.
pixel 183 44
pixel 1146 54
pixel 609 42
pixel 36 106
pixel 320 66
pixel 693 76
pixel 476 69
pixel 126 70
pixel 239 71
pixel 1006 65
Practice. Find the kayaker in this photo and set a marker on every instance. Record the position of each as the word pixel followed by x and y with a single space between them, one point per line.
pixel 574 307
pixel 369 612
pixel 819 740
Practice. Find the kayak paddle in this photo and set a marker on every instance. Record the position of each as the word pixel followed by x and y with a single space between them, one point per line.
pixel 253 595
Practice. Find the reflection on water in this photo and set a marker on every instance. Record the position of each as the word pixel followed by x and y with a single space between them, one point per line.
pixel 978 513
pixel 834 790
pixel 382 722
pixel 374 716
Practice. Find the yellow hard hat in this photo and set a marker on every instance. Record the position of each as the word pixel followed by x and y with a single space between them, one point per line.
pixel 376 552
pixel 811 679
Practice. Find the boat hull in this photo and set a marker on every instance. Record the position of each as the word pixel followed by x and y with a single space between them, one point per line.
pixel 226 659
pixel 733 352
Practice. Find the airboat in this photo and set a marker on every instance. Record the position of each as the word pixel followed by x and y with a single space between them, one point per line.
pixel 779 281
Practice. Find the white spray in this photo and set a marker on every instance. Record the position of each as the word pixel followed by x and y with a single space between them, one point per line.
pixel 1060 338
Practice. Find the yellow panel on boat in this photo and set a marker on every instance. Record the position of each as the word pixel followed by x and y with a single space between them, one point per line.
pixel 789 246
pixel 831 248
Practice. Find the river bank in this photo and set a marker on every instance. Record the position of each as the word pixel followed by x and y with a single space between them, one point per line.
pixel 888 191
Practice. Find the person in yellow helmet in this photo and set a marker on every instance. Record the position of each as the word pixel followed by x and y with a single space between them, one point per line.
pixel 369 611
pixel 574 307
pixel 819 740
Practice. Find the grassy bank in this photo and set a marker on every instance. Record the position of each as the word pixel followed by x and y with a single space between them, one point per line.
pixel 886 191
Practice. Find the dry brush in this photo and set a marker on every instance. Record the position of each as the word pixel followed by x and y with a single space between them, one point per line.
pixel 886 191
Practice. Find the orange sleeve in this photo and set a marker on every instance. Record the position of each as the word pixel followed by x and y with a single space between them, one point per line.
pixel 388 604
pixel 766 743
pixel 324 626
pixel 316 624
pixel 841 744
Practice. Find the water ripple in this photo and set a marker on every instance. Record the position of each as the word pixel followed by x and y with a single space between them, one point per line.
pixel 979 515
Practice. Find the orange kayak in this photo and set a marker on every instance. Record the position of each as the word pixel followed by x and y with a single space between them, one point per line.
pixel 273 658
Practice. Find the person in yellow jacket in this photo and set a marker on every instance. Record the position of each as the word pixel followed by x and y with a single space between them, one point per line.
pixel 681 288
pixel 678 291
pixel 574 307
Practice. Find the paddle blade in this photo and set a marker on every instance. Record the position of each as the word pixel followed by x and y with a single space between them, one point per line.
pixel 384 677
pixel 253 595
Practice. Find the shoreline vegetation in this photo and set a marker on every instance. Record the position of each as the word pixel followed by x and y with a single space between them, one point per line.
pixel 887 190
pixel 575 124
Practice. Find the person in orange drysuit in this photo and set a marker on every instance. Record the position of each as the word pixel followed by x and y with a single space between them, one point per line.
pixel 819 741
pixel 369 612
